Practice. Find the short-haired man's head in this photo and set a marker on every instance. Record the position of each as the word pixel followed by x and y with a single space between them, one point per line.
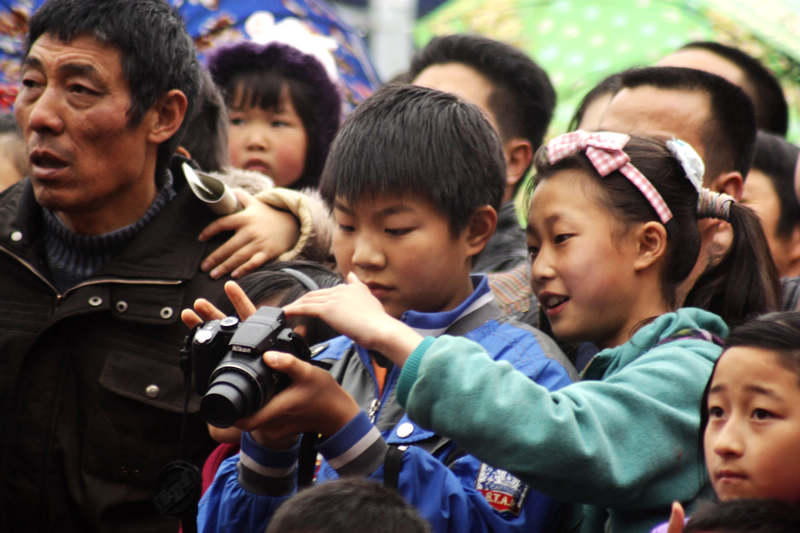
pixel 729 133
pixel 345 505
pixel 607 87
pixel 158 54
pixel 419 142
pixel 779 161
pixel 772 112
pixel 523 98
pixel 253 75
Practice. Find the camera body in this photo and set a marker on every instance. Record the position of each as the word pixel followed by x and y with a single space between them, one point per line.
pixel 229 370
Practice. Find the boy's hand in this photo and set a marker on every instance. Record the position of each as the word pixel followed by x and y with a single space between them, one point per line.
pixel 261 234
pixel 352 310
pixel 204 310
pixel 313 402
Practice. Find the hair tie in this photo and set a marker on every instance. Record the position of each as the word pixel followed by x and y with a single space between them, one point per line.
pixel 604 149
pixel 712 204
pixel 690 161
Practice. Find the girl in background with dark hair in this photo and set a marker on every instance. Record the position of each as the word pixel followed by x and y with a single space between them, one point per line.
pixel 284 110
pixel 612 232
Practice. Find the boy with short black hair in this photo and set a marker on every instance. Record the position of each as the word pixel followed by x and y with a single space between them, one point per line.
pixel 408 178
pixel 346 505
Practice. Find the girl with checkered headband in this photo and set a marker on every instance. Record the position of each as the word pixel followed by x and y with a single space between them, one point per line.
pixel 640 200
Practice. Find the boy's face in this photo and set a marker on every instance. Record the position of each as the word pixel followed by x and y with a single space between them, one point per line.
pixel 751 440
pixel 402 249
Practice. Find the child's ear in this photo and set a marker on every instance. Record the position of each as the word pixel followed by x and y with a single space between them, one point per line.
pixel 519 153
pixel 651 241
pixel 166 116
pixel 730 183
pixel 480 229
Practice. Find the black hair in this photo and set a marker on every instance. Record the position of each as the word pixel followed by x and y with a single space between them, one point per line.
pixel 410 140
pixel 772 112
pixel 746 516
pixel 253 75
pixel 751 277
pixel 730 133
pixel 283 282
pixel 523 98
pixel 158 55
pixel 206 137
pixel 777 158
pixel 345 505
pixel 778 332
pixel 607 86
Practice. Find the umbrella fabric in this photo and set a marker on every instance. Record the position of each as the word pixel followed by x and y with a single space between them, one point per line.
pixel 579 42
pixel 214 22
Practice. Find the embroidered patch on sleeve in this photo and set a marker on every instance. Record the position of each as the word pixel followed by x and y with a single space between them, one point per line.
pixel 504 492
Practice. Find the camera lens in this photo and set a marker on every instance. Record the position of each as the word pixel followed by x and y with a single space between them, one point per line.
pixel 228 399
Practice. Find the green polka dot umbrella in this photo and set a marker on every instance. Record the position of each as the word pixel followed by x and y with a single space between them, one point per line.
pixel 579 42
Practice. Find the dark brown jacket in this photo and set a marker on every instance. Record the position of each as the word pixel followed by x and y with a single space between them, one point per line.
pixel 90 383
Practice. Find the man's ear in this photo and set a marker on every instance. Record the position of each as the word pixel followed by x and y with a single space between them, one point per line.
pixel 519 153
pixel 651 242
pixel 730 183
pixel 166 116
pixel 480 229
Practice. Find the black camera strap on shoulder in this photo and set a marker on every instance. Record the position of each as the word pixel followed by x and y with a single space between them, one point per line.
pixel 392 464
pixel 307 459
pixel 180 483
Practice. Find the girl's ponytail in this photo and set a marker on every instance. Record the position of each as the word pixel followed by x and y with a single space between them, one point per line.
pixel 745 282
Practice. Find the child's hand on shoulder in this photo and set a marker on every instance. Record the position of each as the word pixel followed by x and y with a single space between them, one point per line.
pixel 313 402
pixel 352 310
pixel 250 246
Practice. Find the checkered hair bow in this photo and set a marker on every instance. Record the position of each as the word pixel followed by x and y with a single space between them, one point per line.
pixel 605 151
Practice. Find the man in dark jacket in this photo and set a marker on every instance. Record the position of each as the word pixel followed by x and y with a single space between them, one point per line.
pixel 99 253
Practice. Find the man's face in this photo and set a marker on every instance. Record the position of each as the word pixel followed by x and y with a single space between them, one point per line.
pixel 649 110
pixel 462 81
pixel 86 163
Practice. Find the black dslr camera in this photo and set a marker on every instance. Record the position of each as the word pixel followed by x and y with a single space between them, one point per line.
pixel 228 367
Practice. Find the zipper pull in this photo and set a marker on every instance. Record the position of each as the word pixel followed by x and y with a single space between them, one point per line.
pixel 373 410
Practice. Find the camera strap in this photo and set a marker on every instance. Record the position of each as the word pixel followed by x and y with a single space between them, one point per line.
pixel 180 483
pixel 307 460
pixel 392 464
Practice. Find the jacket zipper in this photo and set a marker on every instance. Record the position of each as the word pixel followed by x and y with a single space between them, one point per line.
pixel 60 296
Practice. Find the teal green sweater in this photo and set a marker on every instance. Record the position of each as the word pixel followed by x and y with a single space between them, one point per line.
pixel 623 442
